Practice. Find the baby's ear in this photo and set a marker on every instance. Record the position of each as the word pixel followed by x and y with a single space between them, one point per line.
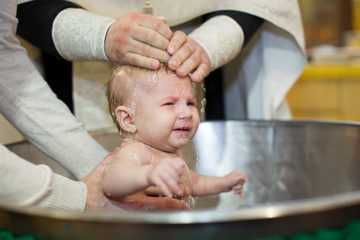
pixel 125 119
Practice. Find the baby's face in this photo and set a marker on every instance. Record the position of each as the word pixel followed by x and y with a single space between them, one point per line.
pixel 166 116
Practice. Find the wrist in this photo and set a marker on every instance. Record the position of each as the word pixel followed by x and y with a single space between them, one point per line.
pixel 222 39
pixel 147 169
pixel 65 194
pixel 80 35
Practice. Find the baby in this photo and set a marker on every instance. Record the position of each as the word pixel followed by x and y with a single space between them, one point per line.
pixel 155 111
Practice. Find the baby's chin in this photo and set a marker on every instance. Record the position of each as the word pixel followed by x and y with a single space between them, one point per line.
pixel 173 147
pixel 181 144
pixel 169 145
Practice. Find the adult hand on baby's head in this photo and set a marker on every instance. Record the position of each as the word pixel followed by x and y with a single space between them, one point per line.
pixel 235 181
pixel 187 56
pixel 145 41
pixel 138 39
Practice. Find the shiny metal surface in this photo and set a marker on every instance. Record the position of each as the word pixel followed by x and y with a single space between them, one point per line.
pixel 303 176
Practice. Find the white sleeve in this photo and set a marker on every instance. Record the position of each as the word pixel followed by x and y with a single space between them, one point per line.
pixel 221 37
pixel 26 184
pixel 80 35
pixel 30 105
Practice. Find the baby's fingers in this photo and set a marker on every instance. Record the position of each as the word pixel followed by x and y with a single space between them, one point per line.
pixel 172 182
pixel 163 187
pixel 238 190
pixel 167 181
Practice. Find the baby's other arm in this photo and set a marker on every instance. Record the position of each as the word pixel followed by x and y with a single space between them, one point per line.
pixel 206 185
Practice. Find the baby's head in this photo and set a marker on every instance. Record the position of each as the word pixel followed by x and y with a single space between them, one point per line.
pixel 155 107
pixel 125 81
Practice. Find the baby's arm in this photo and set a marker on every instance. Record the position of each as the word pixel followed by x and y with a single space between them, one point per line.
pixel 205 185
pixel 121 178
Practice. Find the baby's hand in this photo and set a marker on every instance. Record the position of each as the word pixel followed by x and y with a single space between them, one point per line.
pixel 235 181
pixel 166 175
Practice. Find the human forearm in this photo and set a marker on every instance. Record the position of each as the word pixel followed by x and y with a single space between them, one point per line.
pixel 30 105
pixel 221 37
pixel 206 185
pixel 249 23
pixel 62 28
pixel 47 123
pixel 26 184
pixel 136 39
pixel 80 35
pixel 120 180
pixel 36 19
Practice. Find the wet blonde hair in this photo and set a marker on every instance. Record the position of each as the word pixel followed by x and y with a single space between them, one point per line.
pixel 122 83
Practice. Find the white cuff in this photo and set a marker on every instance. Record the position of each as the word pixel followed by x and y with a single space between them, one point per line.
pixel 80 35
pixel 66 194
pixel 221 37
pixel 59 193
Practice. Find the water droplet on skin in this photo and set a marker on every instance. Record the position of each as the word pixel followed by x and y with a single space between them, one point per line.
pixel 191 201
pixel 203 87
pixel 137 159
pixel 154 77
pixel 203 105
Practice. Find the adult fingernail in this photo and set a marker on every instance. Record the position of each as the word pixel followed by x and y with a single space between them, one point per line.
pixel 154 64
pixel 182 71
pixel 173 63
pixel 171 50
pixel 195 77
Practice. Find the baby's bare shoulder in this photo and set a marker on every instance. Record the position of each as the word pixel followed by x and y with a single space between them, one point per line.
pixel 133 153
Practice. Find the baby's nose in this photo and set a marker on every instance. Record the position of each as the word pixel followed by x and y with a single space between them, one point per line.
pixel 185 113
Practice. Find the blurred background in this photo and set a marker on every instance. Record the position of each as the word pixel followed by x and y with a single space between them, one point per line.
pixel 329 88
